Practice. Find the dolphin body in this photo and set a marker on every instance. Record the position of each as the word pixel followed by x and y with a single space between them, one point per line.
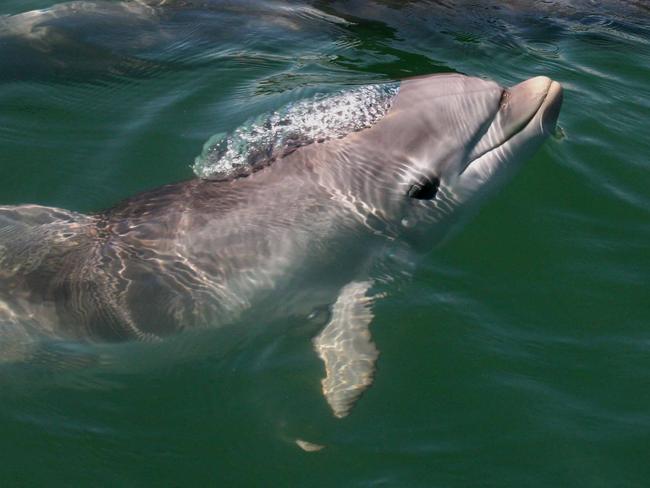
pixel 318 226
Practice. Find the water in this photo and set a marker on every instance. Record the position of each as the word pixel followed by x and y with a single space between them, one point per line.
pixel 519 355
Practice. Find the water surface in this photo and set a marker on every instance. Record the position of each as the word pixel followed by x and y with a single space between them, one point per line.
pixel 519 355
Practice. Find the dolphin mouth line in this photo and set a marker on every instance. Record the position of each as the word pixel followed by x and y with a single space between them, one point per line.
pixel 553 92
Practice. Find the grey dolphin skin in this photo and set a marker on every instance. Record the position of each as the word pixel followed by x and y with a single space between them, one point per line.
pixel 317 228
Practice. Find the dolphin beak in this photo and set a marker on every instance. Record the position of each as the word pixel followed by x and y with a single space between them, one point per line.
pixel 551 106
pixel 523 101
pixel 538 98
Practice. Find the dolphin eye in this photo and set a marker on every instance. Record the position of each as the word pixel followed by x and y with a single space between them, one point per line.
pixel 424 189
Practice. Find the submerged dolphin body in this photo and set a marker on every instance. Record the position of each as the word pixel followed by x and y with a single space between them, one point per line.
pixel 315 228
pixel 94 39
pixel 90 40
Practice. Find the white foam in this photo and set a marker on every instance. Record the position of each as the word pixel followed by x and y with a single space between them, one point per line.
pixel 261 140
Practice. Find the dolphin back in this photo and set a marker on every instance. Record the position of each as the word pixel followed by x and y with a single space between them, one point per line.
pixel 51 278
pixel 69 275
pixel 36 255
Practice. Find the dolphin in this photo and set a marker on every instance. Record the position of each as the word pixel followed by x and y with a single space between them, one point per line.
pixel 317 227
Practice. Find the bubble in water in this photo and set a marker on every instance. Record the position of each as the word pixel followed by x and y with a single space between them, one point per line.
pixel 262 139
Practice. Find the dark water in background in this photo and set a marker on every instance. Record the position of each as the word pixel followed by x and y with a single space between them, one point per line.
pixel 518 356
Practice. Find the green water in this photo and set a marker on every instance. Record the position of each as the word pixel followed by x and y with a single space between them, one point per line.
pixel 519 355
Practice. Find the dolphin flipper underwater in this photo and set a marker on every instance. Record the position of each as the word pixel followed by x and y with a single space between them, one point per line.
pixel 308 223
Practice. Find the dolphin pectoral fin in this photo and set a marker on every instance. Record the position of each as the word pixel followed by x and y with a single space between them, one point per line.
pixel 346 348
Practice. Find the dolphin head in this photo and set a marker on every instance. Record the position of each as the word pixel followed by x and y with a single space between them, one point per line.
pixel 450 140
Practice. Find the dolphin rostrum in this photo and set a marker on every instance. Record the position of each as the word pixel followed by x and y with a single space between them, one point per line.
pixel 317 225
